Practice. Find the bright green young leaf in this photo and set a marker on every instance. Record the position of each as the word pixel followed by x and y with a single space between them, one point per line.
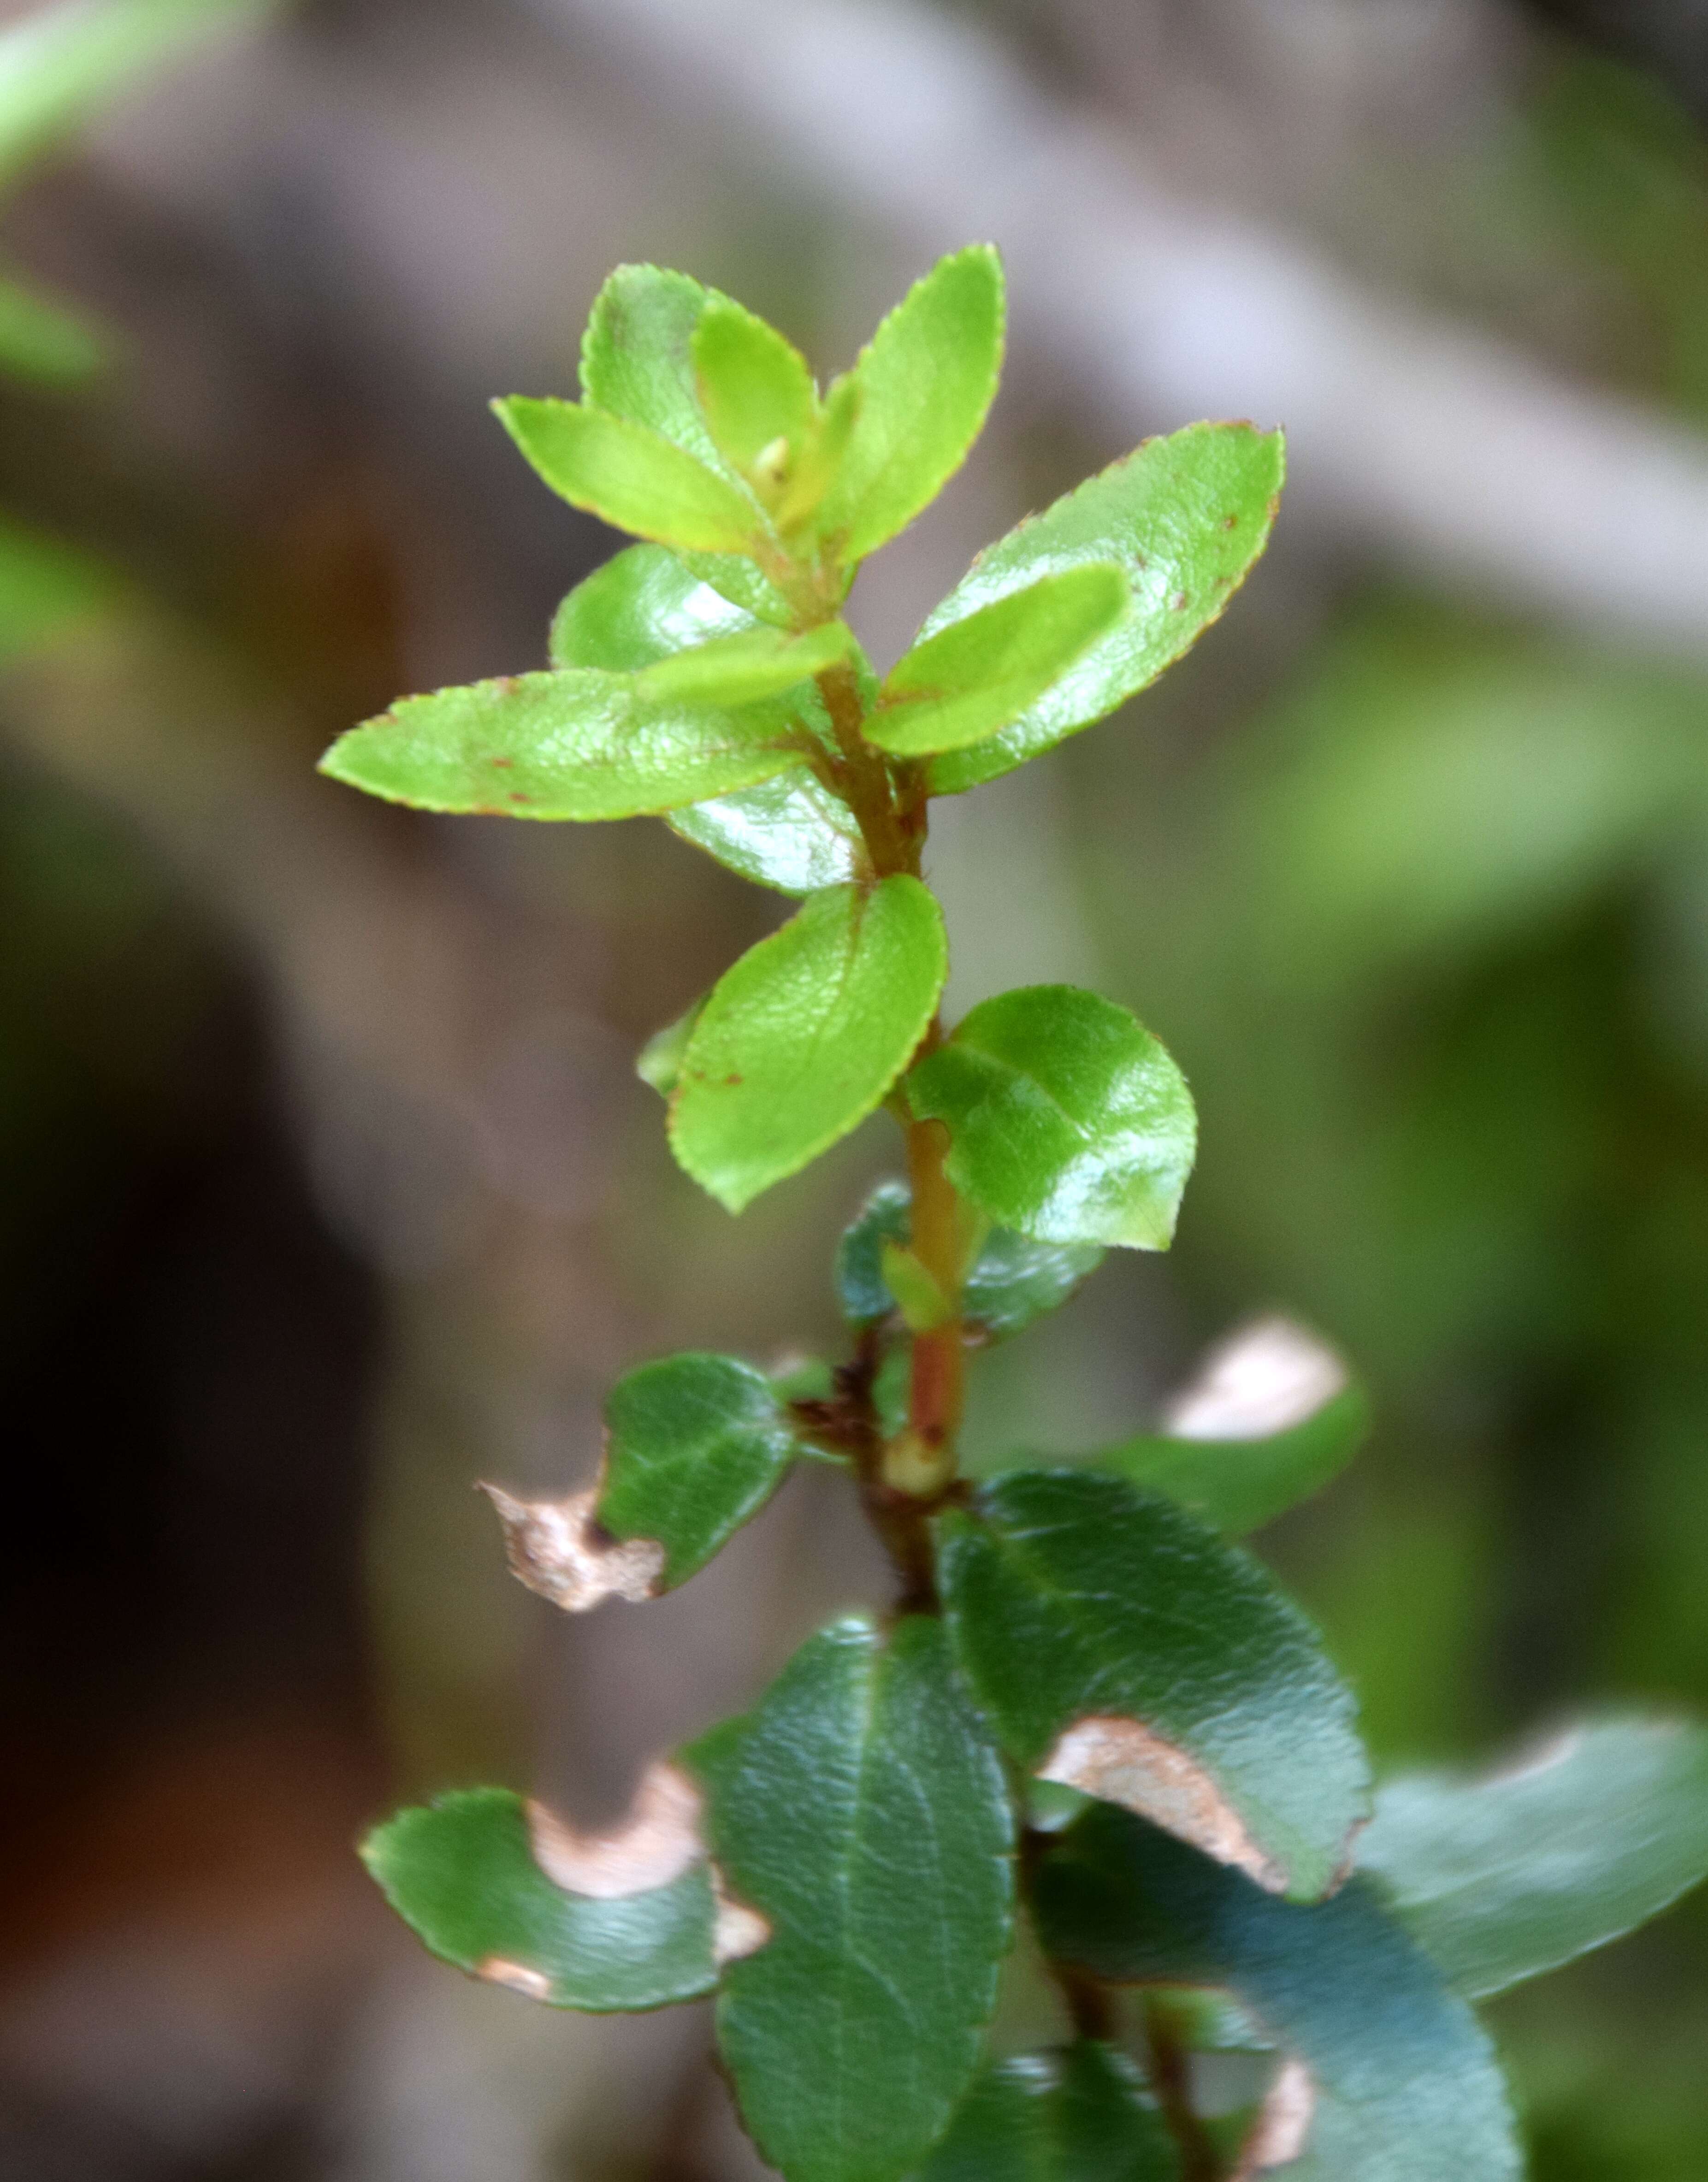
pixel 43 340
pixel 1069 1120
pixel 972 678
pixel 1080 2114
pixel 629 476
pixel 570 745
pixel 923 386
pixel 1273 1418
pixel 1391 2079
pixel 803 1037
pixel 694 1446
pixel 923 1301
pixel 862 1812
pixel 1185 517
pixel 462 1873
pixel 756 393
pixel 742 668
pixel 1120 1647
pixel 59 65
pixel 45 589
pixel 637 356
pixel 1502 1878
pixel 644 606
pixel 1013 1280
pixel 659 1061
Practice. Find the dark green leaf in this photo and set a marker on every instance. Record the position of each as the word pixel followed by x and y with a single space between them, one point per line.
pixel 923 387
pixel 1069 1120
pixel 644 606
pixel 1502 1878
pixel 1080 2114
pixel 975 676
pixel 576 744
pixel 1392 2077
pixel 862 1812
pixel 43 340
pixel 1272 1419
pixel 464 1875
pixel 1122 1648
pixel 694 1446
pixel 1012 1280
pixel 1185 517
pixel 629 476
pixel 803 1037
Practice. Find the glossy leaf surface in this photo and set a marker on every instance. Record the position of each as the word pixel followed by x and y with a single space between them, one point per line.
pixel 1502 1878
pixel 578 744
pixel 975 676
pixel 1404 2085
pixel 1272 1418
pixel 1013 1280
pixel 695 1445
pixel 645 605
pixel 923 387
pixel 1081 2113
pixel 1121 1647
pixel 462 1873
pixel 1069 1122
pixel 1185 518
pixel 861 1811
pixel 630 476
pixel 803 1037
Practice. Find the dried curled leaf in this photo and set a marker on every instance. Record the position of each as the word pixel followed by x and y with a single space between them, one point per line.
pixel 660 1839
pixel 558 1548
pixel 1277 2135
pixel 1120 1761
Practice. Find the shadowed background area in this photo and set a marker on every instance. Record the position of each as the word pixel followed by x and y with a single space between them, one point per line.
pixel 328 1187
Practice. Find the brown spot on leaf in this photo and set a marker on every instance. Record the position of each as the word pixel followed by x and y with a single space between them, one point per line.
pixel 1120 1761
pixel 732 1080
pixel 517 796
pixel 1283 2121
pixel 516 1977
pixel 658 1840
pixel 559 1548
pixel 504 764
pixel 1265 1378
pixel 738 1929
pixel 1230 522
pixel 1179 602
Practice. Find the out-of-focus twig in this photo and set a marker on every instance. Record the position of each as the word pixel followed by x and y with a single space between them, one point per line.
pixel 1424 440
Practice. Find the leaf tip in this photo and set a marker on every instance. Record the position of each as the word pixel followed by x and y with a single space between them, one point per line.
pixel 559 1549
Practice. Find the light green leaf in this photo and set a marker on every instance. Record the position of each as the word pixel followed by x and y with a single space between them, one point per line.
pixel 962 685
pixel 463 1874
pixel 915 1287
pixel 756 393
pixel 862 1812
pixel 923 387
pixel 741 669
pixel 1185 517
pixel 45 589
pixel 573 745
pixel 1500 1880
pixel 637 358
pixel 630 476
pixel 43 340
pixel 1392 2077
pixel 1080 2114
pixel 1272 1419
pixel 1119 1647
pixel 659 1061
pixel 60 64
pixel 1012 1280
pixel 695 1446
pixel 1069 1120
pixel 645 605
pixel 803 1037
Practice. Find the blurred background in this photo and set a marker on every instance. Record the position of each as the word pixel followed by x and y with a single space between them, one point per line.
pixel 327 1188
